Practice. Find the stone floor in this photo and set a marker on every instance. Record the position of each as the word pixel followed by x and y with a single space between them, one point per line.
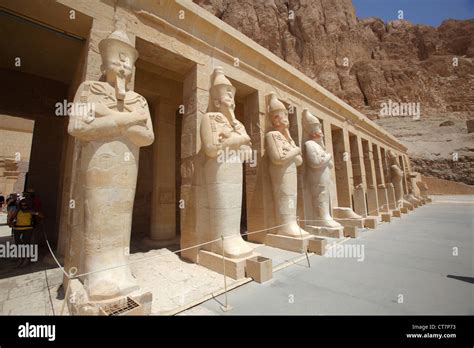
pixel 409 268
pixel 174 283
pixel 408 255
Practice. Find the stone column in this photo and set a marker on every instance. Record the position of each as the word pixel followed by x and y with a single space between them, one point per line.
pixel 329 147
pixel 359 176
pixel 379 174
pixel 383 198
pixel 372 200
pixel 163 201
pixel 258 186
pixel 404 179
pixel 343 167
pixel 392 201
pixel 379 177
pixel 196 97
pixel 360 206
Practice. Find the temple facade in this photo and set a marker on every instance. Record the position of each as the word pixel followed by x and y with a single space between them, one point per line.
pixel 54 47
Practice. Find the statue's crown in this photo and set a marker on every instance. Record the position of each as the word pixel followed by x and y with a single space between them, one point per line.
pixel 274 104
pixel 220 83
pixel 309 119
pixel 118 40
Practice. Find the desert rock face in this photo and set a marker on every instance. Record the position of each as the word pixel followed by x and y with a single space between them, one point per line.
pixel 367 62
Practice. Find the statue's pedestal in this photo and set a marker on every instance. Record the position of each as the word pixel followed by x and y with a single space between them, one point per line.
pixel 333 232
pixel 157 244
pixel 404 210
pixel 386 217
pixel 317 246
pixel 351 231
pixel 371 222
pixel 351 222
pixel 78 301
pixel 234 268
pixel 297 244
pixel 396 213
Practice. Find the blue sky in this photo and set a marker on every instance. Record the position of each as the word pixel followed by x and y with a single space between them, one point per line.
pixel 431 12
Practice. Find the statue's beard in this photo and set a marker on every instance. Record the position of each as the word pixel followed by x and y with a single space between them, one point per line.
pixel 228 111
pixel 120 87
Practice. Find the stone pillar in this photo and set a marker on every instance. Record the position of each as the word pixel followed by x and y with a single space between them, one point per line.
pixel 379 174
pixel 343 167
pixel 360 206
pixel 385 166
pixel 380 178
pixel 196 98
pixel 392 201
pixel 258 185
pixel 359 176
pixel 383 198
pixel 163 201
pixel 404 179
pixel 357 159
pixel 330 148
pixel 372 200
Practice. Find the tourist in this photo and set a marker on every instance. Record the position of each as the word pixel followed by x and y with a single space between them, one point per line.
pixel 11 205
pixel 33 200
pixel 22 222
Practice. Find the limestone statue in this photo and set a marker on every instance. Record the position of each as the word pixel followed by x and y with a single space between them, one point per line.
pixel 110 135
pixel 284 157
pixel 222 133
pixel 318 173
pixel 396 176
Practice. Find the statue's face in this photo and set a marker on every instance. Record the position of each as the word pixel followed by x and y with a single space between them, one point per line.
pixel 118 65
pixel 226 100
pixel 316 132
pixel 280 119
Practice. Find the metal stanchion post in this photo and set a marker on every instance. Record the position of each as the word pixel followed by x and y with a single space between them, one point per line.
pixel 301 234
pixel 225 308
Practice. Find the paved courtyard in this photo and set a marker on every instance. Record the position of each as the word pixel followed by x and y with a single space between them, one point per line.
pixel 406 267
pixel 409 268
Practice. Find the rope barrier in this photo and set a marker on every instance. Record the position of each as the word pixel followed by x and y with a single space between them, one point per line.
pixel 154 256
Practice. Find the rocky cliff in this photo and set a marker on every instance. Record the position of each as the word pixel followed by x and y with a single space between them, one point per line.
pixel 367 62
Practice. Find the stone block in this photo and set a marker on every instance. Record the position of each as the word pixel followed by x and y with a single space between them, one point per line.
pixel 299 245
pixel 325 231
pixel 371 222
pixel 386 217
pixel 396 213
pixel 259 268
pixel 234 268
pixel 78 301
pixel 317 246
pixel 351 222
pixel 351 231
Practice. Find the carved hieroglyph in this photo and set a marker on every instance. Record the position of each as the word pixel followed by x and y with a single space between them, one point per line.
pixel 284 157
pixel 117 123
pixel 318 163
pixel 225 144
